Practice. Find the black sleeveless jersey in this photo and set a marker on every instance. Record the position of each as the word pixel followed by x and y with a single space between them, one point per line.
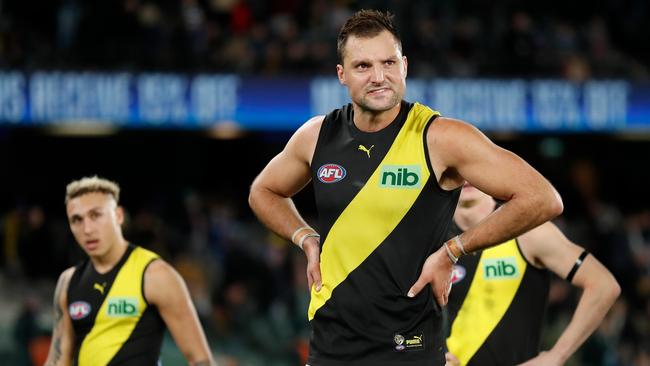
pixel 112 321
pixel 497 306
pixel 381 215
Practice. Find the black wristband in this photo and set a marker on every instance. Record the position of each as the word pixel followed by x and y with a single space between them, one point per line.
pixel 577 265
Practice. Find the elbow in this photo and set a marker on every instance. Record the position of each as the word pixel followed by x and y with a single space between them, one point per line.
pixel 554 205
pixel 614 290
pixel 258 195
pixel 252 195
pixel 608 291
pixel 557 205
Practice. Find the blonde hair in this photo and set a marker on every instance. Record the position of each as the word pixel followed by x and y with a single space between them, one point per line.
pixel 91 185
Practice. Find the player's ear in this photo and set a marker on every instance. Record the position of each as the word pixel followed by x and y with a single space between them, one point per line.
pixel 340 74
pixel 119 215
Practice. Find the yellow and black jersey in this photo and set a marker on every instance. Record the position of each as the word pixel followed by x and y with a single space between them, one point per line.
pixel 113 323
pixel 496 307
pixel 381 215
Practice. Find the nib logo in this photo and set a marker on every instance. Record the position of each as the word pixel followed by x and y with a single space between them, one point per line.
pixel 122 306
pixel 400 176
pixel 500 268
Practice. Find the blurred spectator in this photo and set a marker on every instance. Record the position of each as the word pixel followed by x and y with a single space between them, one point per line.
pixel 453 39
pixel 34 245
pixel 27 333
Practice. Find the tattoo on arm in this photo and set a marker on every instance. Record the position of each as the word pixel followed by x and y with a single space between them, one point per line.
pixel 55 352
pixel 58 312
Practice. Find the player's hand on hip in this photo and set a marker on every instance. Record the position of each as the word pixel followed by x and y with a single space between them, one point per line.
pixel 311 246
pixel 436 272
pixel 544 359
pixel 451 360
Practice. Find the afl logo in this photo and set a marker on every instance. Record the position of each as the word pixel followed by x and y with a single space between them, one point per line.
pixel 79 310
pixel 457 274
pixel 331 173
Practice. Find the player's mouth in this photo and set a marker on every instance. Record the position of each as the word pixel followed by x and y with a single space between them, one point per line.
pixel 91 244
pixel 379 91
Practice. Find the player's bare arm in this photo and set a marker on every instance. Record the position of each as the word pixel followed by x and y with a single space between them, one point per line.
pixel 547 247
pixel 284 176
pixel 60 352
pixel 164 288
pixel 459 152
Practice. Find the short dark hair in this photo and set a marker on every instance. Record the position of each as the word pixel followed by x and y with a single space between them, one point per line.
pixel 366 23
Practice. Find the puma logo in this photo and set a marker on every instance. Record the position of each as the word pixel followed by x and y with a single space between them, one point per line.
pixel 415 342
pixel 99 287
pixel 366 150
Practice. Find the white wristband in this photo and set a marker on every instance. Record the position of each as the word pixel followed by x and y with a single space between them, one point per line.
pixel 459 244
pixel 309 235
pixel 295 232
pixel 451 255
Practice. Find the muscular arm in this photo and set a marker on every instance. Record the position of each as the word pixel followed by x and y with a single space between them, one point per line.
pixel 62 332
pixel 284 176
pixel 461 152
pixel 548 247
pixel 164 288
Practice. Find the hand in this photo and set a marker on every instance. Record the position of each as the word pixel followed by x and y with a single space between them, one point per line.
pixel 436 272
pixel 544 359
pixel 451 360
pixel 311 247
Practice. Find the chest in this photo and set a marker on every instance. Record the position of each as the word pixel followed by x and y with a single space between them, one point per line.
pixel 100 299
pixel 344 165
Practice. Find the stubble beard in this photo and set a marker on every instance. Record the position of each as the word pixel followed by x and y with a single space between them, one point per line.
pixel 368 106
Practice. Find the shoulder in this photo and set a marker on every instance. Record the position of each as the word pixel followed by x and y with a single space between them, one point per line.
pixel 60 292
pixel 541 236
pixel 303 142
pixel 160 279
pixel 310 129
pixel 65 276
pixel 453 143
pixel 545 242
pixel 448 130
pixel 158 270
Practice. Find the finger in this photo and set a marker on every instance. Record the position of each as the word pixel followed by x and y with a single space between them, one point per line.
pixel 417 286
pixel 317 277
pixel 314 269
pixel 310 280
pixel 445 293
pixel 451 360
